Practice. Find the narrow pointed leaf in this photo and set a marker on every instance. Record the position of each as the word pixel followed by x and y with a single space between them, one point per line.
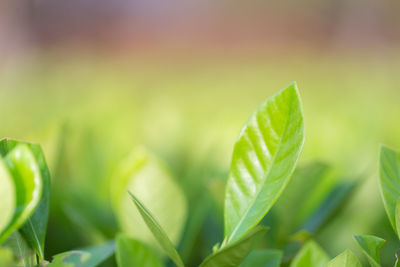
pixel 310 255
pixel 263 258
pixel 233 254
pixel 28 182
pixel 7 193
pixel 345 259
pixel 389 181
pixel 88 257
pixel 263 160
pixel 34 229
pixel 370 246
pixel 158 232
pixel 134 253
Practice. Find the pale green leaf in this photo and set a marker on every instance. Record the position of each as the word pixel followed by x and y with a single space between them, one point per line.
pixel 263 258
pixel 397 214
pixel 7 193
pixel 133 253
pixel 24 256
pixel 263 160
pixel 310 255
pixel 6 257
pixel 234 253
pixel 345 259
pixel 150 181
pixel 88 257
pixel 158 232
pixel 28 182
pixel 370 246
pixel 389 181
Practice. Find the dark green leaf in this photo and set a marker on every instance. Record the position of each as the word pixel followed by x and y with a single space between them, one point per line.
pixel 345 259
pixel 310 255
pixel 263 160
pixel 263 258
pixel 370 246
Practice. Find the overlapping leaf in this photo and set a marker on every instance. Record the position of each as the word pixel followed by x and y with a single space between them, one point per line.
pixel 263 258
pixel 310 255
pixel 370 246
pixel 345 259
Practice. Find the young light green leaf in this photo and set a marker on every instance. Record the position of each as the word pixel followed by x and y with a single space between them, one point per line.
pixel 389 181
pixel 370 246
pixel 28 182
pixel 88 257
pixel 234 253
pixel 7 193
pixel 137 174
pixel 133 253
pixel 263 258
pixel 345 259
pixel 158 232
pixel 34 229
pixel 263 160
pixel 310 255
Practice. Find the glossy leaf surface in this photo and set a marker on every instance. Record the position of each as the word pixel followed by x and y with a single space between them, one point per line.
pixel 234 253
pixel 345 259
pixel 7 193
pixel 158 232
pixel 310 255
pixel 389 181
pixel 370 246
pixel 133 253
pixel 263 258
pixel 263 160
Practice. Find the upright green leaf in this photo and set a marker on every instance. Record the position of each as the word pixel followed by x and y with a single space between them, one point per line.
pixel 263 160
pixel 34 229
pixel 7 193
pixel 345 259
pixel 389 181
pixel 234 253
pixel 158 232
pixel 370 246
pixel 28 182
pixel 310 255
pixel 133 253
pixel 140 174
pixel 263 258
pixel 88 257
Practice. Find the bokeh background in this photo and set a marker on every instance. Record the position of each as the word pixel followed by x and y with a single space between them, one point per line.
pixel 90 80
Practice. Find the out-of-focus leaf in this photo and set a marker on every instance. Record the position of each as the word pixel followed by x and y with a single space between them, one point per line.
pixel 7 193
pixel 23 254
pixel 234 253
pixel 34 229
pixel 310 255
pixel 397 214
pixel 133 253
pixel 88 257
pixel 263 258
pixel 150 181
pixel 263 160
pixel 389 181
pixel 345 259
pixel 158 232
pixel 370 246
pixel 6 257
pixel 28 182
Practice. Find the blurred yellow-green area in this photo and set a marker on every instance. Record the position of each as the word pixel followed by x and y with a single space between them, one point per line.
pixel 92 80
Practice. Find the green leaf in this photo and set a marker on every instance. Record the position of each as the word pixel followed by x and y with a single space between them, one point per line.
pixel 389 181
pixel 370 246
pixel 345 259
pixel 24 256
pixel 310 255
pixel 263 160
pixel 28 182
pixel 234 253
pixel 88 257
pixel 140 174
pixel 7 193
pixel 34 229
pixel 263 258
pixel 158 232
pixel 133 253
pixel 397 214
pixel 6 257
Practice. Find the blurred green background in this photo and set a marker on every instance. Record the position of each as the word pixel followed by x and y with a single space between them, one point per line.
pixel 91 80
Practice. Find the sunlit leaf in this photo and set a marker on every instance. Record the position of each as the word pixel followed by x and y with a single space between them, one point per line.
pixel 88 257
pixel 370 246
pixel 133 253
pixel 263 258
pixel 158 232
pixel 150 181
pixel 310 255
pixel 234 253
pixel 263 160
pixel 345 259
pixel 7 193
